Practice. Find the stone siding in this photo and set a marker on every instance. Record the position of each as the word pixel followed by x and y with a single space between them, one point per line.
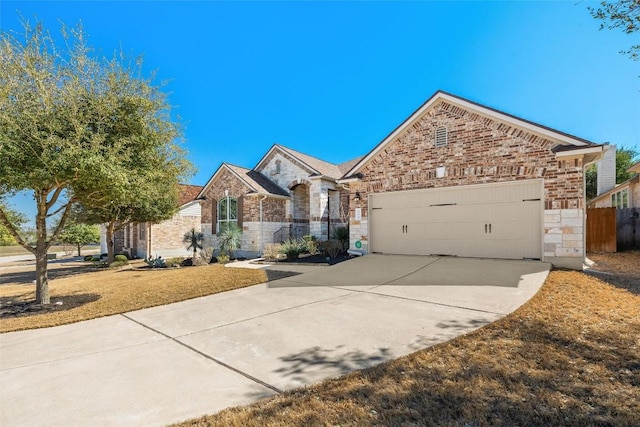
pixel 479 150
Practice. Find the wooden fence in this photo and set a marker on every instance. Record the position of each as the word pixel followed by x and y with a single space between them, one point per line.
pixel 612 230
pixel 601 230
pixel 628 229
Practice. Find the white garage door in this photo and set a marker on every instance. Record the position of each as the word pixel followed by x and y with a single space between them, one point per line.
pixel 501 220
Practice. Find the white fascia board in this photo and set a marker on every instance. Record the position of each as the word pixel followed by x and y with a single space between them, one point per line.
pixel 634 168
pixel 348 180
pixel 591 154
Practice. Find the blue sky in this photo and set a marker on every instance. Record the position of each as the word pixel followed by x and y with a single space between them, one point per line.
pixel 332 79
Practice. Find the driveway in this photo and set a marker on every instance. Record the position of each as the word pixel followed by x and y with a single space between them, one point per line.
pixel 171 363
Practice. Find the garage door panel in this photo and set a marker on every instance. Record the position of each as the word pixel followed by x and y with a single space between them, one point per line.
pixel 491 220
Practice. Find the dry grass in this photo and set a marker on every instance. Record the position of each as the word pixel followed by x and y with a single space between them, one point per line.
pixel 96 294
pixel 621 269
pixel 570 356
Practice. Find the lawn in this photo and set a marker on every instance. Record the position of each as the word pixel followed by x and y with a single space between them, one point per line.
pixel 570 356
pixel 102 293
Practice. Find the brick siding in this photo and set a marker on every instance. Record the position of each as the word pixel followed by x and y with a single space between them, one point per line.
pixel 479 150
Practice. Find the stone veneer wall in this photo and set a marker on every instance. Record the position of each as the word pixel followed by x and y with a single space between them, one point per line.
pixel 479 150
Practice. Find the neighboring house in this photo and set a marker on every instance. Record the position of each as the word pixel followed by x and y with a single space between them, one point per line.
pixel 288 194
pixel 461 179
pixel 623 195
pixel 160 239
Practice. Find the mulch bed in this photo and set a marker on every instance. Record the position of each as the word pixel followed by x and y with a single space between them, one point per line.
pixel 312 259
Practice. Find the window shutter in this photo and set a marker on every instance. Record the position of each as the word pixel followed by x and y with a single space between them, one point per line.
pixel 239 208
pixel 214 216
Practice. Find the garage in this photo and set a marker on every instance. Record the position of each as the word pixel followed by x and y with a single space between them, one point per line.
pixel 498 220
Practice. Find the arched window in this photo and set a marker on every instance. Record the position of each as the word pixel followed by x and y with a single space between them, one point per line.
pixel 227 213
pixel 441 136
pixel 278 165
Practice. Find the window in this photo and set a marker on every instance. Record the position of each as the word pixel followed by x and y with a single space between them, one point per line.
pixel 227 212
pixel 278 163
pixel 141 231
pixel 620 199
pixel 441 136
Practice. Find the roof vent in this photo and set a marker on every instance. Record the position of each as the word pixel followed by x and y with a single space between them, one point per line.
pixel 441 136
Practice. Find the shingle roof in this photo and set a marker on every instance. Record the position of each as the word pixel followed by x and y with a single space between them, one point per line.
pixel 188 193
pixel 320 166
pixel 257 181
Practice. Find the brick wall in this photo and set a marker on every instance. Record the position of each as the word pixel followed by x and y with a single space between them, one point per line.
pixel 166 237
pixel 479 150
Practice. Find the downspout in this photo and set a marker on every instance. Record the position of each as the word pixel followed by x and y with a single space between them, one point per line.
pixel 261 232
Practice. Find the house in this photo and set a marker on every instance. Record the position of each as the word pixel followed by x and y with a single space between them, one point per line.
pixel 461 179
pixel 455 178
pixel 160 239
pixel 623 195
pixel 288 194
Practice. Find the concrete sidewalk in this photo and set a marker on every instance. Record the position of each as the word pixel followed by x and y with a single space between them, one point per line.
pixel 166 364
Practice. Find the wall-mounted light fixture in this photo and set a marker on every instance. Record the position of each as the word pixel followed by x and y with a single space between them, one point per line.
pixel 357 196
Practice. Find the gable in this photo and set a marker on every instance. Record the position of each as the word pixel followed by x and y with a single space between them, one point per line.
pixel 450 111
pixel 224 178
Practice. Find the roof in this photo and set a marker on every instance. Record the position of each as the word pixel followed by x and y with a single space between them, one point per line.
pixel 634 168
pixel 559 137
pixel 255 181
pixel 633 180
pixel 188 193
pixel 314 165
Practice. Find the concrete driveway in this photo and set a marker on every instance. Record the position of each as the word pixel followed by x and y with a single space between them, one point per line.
pixel 167 364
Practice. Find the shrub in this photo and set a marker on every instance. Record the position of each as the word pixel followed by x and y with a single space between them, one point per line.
pixel 90 258
pixel 272 251
pixel 124 254
pixel 312 247
pixel 223 258
pixel 331 248
pixel 174 262
pixel 116 264
pixel 121 258
pixel 230 239
pixel 293 248
pixel 341 234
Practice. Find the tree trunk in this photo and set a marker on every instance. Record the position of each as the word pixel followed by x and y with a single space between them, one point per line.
pixel 42 246
pixel 42 282
pixel 110 232
pixel 79 250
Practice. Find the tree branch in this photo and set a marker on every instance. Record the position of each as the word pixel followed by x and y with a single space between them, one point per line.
pixel 63 219
pixel 4 219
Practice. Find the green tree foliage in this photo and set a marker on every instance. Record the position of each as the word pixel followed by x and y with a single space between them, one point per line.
pixel 80 235
pixel 75 129
pixel 625 158
pixel 6 238
pixel 621 14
